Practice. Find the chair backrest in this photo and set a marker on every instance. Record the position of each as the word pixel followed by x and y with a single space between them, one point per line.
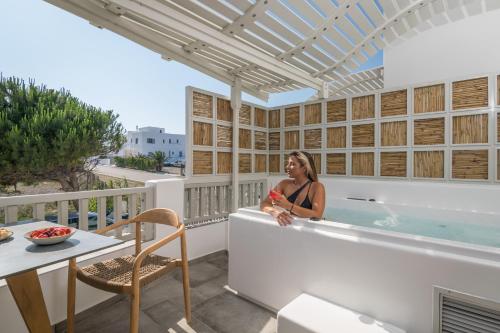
pixel 158 215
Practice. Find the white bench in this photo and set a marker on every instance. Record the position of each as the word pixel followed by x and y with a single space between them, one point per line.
pixel 307 314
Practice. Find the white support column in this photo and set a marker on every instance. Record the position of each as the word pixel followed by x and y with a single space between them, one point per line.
pixel 236 106
pixel 325 89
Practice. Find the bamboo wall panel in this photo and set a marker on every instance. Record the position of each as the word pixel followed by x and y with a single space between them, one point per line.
pixel 336 110
pixel 312 114
pixel 260 117
pixel 202 162
pixel 274 163
pixel 363 164
pixel 363 135
pixel 245 163
pixel 292 140
pixel 498 127
pixel 470 164
pixel 428 164
pixel 470 129
pixel 393 164
pixel 428 131
pixel 202 105
pixel 202 134
pixel 429 99
pixel 393 103
pixel 292 116
pixel 317 162
pixel 245 138
pixel 245 114
pixel 336 137
pixel 393 133
pixel 260 163
pixel 363 107
pixel 260 140
pixel 336 164
pixel 274 141
pixel 469 94
pixel 224 110
pixel 224 136
pixel 224 162
pixel 274 119
pixel 312 139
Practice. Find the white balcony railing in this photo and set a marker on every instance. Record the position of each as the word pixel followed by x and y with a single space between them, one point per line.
pixel 211 202
pixel 125 202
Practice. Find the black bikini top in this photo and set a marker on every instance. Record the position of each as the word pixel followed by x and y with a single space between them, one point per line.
pixel 306 203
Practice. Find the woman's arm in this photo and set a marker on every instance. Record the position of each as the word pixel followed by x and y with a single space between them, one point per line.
pixel 282 217
pixel 318 204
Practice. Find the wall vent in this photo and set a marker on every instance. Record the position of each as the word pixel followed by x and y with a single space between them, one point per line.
pixel 456 312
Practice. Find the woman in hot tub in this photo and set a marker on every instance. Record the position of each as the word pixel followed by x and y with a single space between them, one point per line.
pixel 302 195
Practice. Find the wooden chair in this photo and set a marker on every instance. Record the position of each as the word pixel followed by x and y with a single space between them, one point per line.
pixel 127 274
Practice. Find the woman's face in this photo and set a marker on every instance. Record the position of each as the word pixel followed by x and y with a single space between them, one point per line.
pixel 293 168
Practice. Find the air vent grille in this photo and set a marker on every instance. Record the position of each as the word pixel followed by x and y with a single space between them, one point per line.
pixel 459 316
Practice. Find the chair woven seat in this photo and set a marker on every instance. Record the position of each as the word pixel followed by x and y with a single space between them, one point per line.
pixel 116 274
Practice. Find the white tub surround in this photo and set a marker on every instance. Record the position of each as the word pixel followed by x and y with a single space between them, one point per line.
pixel 387 276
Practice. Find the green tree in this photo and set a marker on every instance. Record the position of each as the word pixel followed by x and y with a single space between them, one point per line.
pixel 159 157
pixel 48 134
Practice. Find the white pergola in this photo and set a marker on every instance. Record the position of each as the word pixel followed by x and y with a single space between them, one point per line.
pixel 271 46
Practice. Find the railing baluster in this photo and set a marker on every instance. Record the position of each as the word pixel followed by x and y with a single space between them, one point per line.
pixel 213 202
pixel 11 214
pixel 186 203
pixel 132 211
pixel 193 203
pixel 220 195
pixel 101 212
pixel 83 212
pixel 148 229
pixel 39 211
pixel 117 214
pixel 62 212
pixel 203 201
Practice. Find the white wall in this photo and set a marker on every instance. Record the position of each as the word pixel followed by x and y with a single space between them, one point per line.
pixel 462 48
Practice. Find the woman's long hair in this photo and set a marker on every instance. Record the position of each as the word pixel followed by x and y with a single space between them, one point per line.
pixel 305 159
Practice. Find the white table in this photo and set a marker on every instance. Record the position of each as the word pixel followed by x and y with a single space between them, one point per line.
pixel 19 260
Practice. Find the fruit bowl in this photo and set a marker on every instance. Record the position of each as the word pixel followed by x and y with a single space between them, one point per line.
pixel 49 236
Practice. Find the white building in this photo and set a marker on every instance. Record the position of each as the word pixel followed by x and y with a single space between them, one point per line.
pixel 147 140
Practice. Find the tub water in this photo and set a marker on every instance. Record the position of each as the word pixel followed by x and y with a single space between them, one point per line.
pixel 480 228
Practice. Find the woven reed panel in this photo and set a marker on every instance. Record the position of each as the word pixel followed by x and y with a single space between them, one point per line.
pixel 224 162
pixel 393 164
pixel 274 163
pixel 202 134
pixel 245 114
pixel 363 164
pixel 335 164
pixel 429 99
pixel 317 162
pixel 470 164
pixel 274 119
pixel 245 138
pixel 202 162
pixel 292 117
pixel 393 133
pixel 245 163
pixel 292 140
pixel 274 141
pixel 260 163
pixel 363 107
pixel 363 135
pixel 260 117
pixel 202 105
pixel 312 114
pixel 428 131
pixel 336 110
pixel 469 94
pixel 224 110
pixel 470 129
pixel 393 103
pixel 224 136
pixel 260 140
pixel 336 137
pixel 312 139
pixel 428 164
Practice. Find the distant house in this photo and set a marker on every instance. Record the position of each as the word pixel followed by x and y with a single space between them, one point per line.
pixel 146 140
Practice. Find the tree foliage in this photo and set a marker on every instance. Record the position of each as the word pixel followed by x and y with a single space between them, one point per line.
pixel 48 134
pixel 159 157
pixel 140 162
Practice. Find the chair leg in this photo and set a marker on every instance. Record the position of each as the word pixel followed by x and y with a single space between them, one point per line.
pixel 70 321
pixel 185 280
pixel 134 311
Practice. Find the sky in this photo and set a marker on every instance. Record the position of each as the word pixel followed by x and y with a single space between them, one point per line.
pixel 58 49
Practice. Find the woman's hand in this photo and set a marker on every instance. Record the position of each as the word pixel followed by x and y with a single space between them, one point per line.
pixel 282 217
pixel 282 201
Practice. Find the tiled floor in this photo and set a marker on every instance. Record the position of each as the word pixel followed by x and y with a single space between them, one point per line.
pixel 214 309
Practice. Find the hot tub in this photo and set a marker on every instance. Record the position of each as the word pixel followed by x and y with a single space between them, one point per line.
pixel 384 260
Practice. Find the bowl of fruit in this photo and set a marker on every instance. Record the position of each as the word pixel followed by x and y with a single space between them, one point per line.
pixel 49 236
